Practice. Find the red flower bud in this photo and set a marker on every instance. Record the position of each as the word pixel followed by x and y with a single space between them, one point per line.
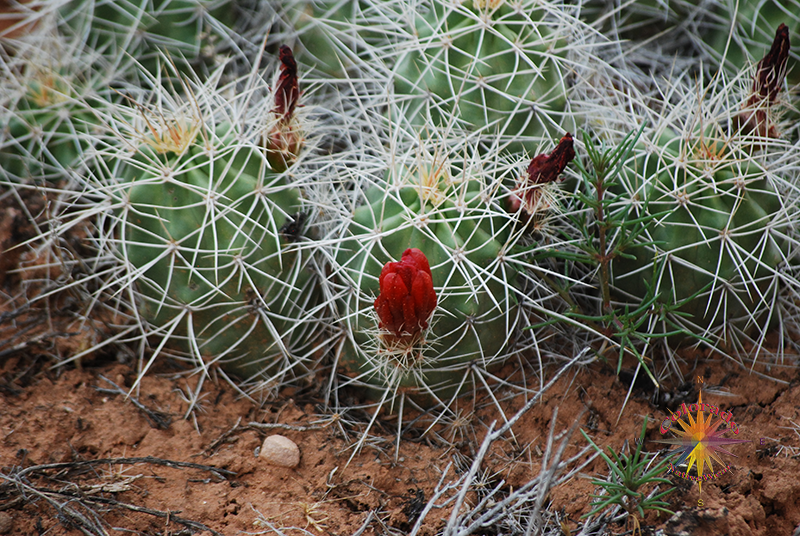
pixel 767 84
pixel 407 299
pixel 543 169
pixel 285 139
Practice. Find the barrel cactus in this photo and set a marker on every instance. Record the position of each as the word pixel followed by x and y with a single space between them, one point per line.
pixel 720 242
pixel 723 186
pixel 428 286
pixel 142 30
pixel 48 96
pixel 481 65
pixel 213 236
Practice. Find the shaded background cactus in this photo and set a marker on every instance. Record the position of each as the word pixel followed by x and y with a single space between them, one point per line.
pixel 493 67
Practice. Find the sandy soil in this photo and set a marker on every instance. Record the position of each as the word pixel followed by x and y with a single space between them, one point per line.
pixel 74 450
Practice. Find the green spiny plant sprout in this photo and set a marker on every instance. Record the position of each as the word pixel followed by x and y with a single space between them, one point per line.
pixel 629 475
pixel 606 236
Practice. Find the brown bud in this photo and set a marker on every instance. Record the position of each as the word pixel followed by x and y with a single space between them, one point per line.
pixel 284 139
pixel 771 69
pixel 288 92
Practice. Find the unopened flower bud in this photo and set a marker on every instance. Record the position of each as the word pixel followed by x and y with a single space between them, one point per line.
pixel 285 139
pixel 407 299
pixel 767 84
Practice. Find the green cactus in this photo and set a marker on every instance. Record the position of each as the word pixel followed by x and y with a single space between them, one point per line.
pixel 45 130
pixel 484 66
pixel 141 29
pixel 451 216
pixel 722 238
pixel 214 238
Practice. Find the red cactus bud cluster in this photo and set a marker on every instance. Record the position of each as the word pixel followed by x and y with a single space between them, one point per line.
pixel 767 84
pixel 407 299
pixel 543 169
pixel 284 140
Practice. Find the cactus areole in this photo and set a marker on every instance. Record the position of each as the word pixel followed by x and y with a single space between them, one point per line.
pixel 205 229
pixel 417 325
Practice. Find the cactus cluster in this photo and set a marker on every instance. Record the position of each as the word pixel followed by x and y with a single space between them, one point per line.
pixel 409 249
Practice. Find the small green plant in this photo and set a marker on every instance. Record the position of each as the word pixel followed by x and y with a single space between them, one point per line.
pixel 629 475
pixel 607 235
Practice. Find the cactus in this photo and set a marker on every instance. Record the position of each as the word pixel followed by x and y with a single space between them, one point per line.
pixel 721 239
pixel 212 236
pixel 141 30
pixel 725 185
pixel 449 216
pixel 484 66
pixel 49 95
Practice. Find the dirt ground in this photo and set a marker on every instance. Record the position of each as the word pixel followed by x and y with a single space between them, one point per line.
pixel 76 453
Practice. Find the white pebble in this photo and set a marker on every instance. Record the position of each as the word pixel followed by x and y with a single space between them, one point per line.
pixel 280 450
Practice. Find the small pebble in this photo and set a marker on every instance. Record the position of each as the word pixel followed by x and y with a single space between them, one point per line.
pixel 280 450
pixel 6 523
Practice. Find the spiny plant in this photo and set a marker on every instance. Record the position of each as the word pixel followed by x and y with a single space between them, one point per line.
pixel 427 275
pixel 211 237
pixel 49 93
pixel 606 237
pixel 724 187
pixel 629 474
pixel 494 67
pixel 143 30
pixel 326 34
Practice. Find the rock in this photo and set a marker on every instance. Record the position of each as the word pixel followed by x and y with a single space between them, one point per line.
pixel 280 450
pixel 6 523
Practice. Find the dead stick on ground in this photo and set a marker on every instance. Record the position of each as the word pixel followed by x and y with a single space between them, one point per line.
pixel 219 472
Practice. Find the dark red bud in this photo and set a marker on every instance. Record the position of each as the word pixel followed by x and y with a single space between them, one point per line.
pixel 546 168
pixel 543 169
pixel 285 139
pixel 771 69
pixel 407 299
pixel 767 84
pixel 288 91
